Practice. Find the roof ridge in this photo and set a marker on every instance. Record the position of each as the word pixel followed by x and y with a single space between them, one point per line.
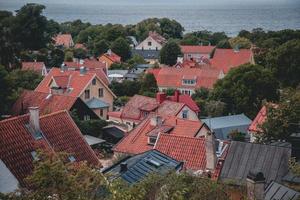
pixel 182 136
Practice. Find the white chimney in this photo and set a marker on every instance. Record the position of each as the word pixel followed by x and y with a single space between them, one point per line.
pixel 109 52
pixel 34 118
pixel 156 121
pixel 210 150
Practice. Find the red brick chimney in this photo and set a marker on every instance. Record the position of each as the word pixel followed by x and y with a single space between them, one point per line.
pixel 160 97
pixel 176 95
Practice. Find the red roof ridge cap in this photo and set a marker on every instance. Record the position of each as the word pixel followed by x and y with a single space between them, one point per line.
pixel 183 136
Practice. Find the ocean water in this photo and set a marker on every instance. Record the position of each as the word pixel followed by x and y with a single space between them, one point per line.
pixel 193 16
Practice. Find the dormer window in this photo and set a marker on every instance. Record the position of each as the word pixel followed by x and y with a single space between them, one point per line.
pixel 188 81
pixel 152 140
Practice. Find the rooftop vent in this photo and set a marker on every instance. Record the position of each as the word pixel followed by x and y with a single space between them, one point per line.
pixel 123 167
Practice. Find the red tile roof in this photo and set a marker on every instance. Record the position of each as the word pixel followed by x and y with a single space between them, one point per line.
pixel 157 37
pixel 59 134
pixel 187 149
pixel 225 59
pixel 79 46
pixel 260 118
pixel 187 100
pixel 137 139
pixel 196 49
pixel 63 39
pixel 112 56
pixel 73 79
pixel 34 66
pixel 47 103
pixel 171 77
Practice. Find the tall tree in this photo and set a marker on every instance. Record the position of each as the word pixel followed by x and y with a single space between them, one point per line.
pixel 121 47
pixel 148 84
pixel 244 88
pixel 284 61
pixel 169 53
pixel 4 89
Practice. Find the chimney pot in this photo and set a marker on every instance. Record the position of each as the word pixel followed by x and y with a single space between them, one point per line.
pixel 123 167
pixel 256 186
pixel 34 118
pixel 161 97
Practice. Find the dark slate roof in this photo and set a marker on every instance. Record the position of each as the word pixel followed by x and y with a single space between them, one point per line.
pixel 141 165
pixel 146 54
pixel 114 131
pixel 96 103
pixel 276 191
pixel 242 157
pixel 291 178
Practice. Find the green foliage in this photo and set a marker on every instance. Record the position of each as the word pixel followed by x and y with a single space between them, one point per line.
pixel 282 120
pixel 126 88
pixel 166 27
pixel 201 93
pixel 68 56
pixel 136 59
pixel 74 27
pixel 121 101
pixel 189 39
pixel 294 166
pixel 80 53
pixel 57 58
pixel 170 91
pixel 244 88
pixel 240 42
pixel 235 135
pixel 214 108
pixel 148 84
pixel 100 47
pixel 204 38
pixel 169 53
pixel 4 91
pixel 121 47
pixel 224 44
pixel 92 127
pixel 284 61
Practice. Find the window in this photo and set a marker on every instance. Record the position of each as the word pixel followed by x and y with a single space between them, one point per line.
pixel 185 114
pixel 94 81
pixel 101 112
pixel 189 81
pixel 86 94
pixel 149 43
pixel 72 158
pixel 152 140
pixel 86 117
pixel 145 114
pixel 100 92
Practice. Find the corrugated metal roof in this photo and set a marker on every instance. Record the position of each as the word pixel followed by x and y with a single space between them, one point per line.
pixel 141 165
pixel 8 182
pixel 96 103
pixel 222 126
pixel 146 54
pixel 276 191
pixel 242 157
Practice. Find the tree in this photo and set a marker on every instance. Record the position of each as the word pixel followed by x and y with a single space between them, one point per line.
pixel 80 53
pixel 4 90
pixel 74 27
pixel 189 39
pixel 121 47
pixel 224 44
pixel 126 88
pixel 169 53
pixel 283 119
pixel 240 42
pixel 148 84
pixel 284 61
pixel 30 26
pixel 235 135
pixel 56 58
pixel 92 127
pixel 68 56
pixel 100 47
pixel 244 88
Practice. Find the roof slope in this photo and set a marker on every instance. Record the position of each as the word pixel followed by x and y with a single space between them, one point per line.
pixel 199 49
pixel 280 192
pixel 34 66
pixel 46 102
pixel 59 134
pixel 63 39
pixel 243 157
pixel 225 59
pixel 141 165
pixel 188 149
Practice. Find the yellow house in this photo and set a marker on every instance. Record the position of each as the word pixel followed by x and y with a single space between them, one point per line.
pixel 109 58
pixel 85 85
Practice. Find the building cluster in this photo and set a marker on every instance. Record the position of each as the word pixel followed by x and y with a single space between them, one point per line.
pixel 154 134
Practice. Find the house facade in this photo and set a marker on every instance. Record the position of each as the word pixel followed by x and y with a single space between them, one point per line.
pixel 85 85
pixel 154 41
pixel 196 52
pixel 63 40
pixel 109 58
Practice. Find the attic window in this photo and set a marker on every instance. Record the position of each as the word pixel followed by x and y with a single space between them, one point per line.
pixel 94 81
pixel 72 158
pixel 185 114
pixel 149 43
pixel 154 163
pixel 189 81
pixel 152 140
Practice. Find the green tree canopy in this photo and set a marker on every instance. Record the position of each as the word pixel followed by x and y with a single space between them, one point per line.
pixel 121 47
pixel 240 42
pixel 148 84
pixel 244 88
pixel 100 47
pixel 169 53
pixel 284 61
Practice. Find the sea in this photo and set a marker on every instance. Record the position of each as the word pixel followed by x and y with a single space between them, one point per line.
pixel 193 15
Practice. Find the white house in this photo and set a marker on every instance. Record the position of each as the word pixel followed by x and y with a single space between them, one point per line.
pixel 154 41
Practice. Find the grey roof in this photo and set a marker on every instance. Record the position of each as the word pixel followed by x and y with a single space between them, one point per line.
pixel 222 126
pixel 117 71
pixel 141 165
pixel 8 182
pixel 242 157
pixel 91 140
pixel 96 103
pixel 133 40
pixel 146 54
pixel 291 178
pixel 114 131
pixel 276 191
pixel 144 66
